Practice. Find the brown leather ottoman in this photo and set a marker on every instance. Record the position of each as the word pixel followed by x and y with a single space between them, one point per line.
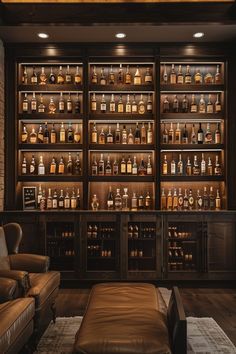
pixel 123 318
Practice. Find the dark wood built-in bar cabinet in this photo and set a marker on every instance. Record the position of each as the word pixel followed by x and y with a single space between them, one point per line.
pixel 120 159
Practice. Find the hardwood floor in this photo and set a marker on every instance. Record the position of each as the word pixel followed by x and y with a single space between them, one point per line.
pixel 217 303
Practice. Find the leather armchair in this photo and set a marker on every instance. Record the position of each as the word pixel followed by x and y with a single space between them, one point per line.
pixel 32 274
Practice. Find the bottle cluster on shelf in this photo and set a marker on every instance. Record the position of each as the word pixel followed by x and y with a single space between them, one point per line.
pixel 117 166
pixel 191 75
pixel 56 134
pixel 60 167
pixel 174 232
pixel 55 75
pixel 143 232
pixel 113 104
pixel 117 75
pixel 180 259
pixel 123 136
pixel 188 201
pixel 98 251
pixel 94 231
pixel 41 103
pixel 182 135
pixel 58 200
pixel 188 167
pixel 204 104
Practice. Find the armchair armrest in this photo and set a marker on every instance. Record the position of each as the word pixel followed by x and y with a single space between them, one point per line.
pixel 8 289
pixel 22 279
pixel 31 263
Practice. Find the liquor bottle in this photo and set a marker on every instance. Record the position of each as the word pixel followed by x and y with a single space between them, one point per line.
pixel 148 76
pixel 193 135
pixel 49 199
pixel 42 205
pixel 149 103
pixel 24 166
pixel 115 168
pixel 209 167
pixel 46 134
pixel 217 169
pixel 39 195
pixel 61 103
pixel 24 79
pixel 69 166
pixel 53 167
pixel 120 107
pixel 186 201
pixel 200 134
pixel 198 77
pixel 69 105
pixel 77 78
pixel 110 200
pixel 129 166
pixel 141 201
pixel 77 104
pixel 128 106
pixel 54 200
pixel 185 104
pixel 166 105
pixel 130 137
pixel 77 134
pixel 41 106
pixel 173 167
pixel 101 166
pixel 117 134
pixel 208 78
pixel 61 166
pixel 218 78
pixel 165 75
pixel 62 134
pixel 94 167
pixel 141 106
pixel 73 200
pixel 111 77
pixel 137 77
pixel 188 167
pixel 199 201
pixel 112 106
pixel 175 200
pixel 42 77
pixel 24 135
pixel 110 138
pixel 191 200
pixel 40 134
pixel 218 104
pixel 94 103
pixel 208 135
pixel 103 79
pixel 103 105
pixel 67 200
pixel 134 106
pixel 137 135
pixel 171 134
pixel 217 137
pixel 212 205
pixel 61 200
pixel 118 200
pixel 173 76
pixel 125 200
pixel 218 200
pixel 52 107
pixel 180 76
pixel 209 107
pixel 127 75
pixel 188 76
pixel 149 134
pixel 52 77
pixel 175 104
pixel 94 135
pixel 180 166
pixel 165 135
pixel 149 166
pixel 143 134
pixel 25 104
pixel 203 166
pixel 102 137
pixel 124 136
pixel 33 137
pixel 120 76
pixel 178 137
pixel 165 166
pixel 77 165
pixel 78 199
pixel 108 169
pixel 70 134
pixel 134 167
pixel 193 106
pixel 60 77
pixel 134 202
pixel 202 104
pixel 180 200
pixel 94 78
pixel 33 104
pixel 123 166
pixel 196 168
pixel 205 199
pixel 169 200
pixel 41 166
pixel 185 135
pixel 142 169
pixel 34 77
pixel 163 200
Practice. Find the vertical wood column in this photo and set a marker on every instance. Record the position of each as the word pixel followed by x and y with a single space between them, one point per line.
pixel 1 126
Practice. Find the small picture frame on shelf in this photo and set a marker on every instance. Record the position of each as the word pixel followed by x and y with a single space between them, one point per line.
pixel 29 198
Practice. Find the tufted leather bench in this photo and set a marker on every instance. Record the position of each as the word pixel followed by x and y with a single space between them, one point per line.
pixel 125 318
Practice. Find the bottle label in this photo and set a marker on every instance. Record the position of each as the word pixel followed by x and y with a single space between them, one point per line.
pixel 25 107
pixel 141 109
pixel 62 137
pixel 61 168
pixel 54 203
pixel 120 108
pixel 33 106
pixel 53 138
pixel 73 203
pixel 41 170
pixel 137 80
pixel 128 108
pixel 32 168
pixel 94 106
pixel 103 107
pixel 112 107
pixel 148 79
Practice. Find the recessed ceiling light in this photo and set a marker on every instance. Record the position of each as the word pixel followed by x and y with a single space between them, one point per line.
pixel 43 35
pixel 120 35
pixel 198 35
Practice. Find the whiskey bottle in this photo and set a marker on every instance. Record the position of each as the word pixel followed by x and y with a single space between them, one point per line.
pixel 137 135
pixel 94 78
pixel 141 106
pixel 142 169
pixel 109 136
pixel 41 166
pixel 218 200
pixel 209 167
pixel 188 167
pixel 143 134
pixel 125 200
pixel 191 200
pixel 186 201
pixel 173 167
pixel 69 105
pixel 24 79
pixel 130 137
pixel 163 200
pixel 199 201
pixel 115 168
pixel 24 166
pixel 52 107
pixel 40 134
pixel 61 166
pixel 217 137
pixel 41 106
pixel 112 106
pixel 42 205
pixel 103 105
pixel 185 135
pixel 137 77
pixel 62 134
pixel 134 202
pixel 218 78
pixel 25 104
pixel 52 77
pixel 123 166
pixel 117 134
pixel 73 200
pixel 68 78
pixel 69 166
pixel 173 76
pixel 67 200
pixel 141 202
pixel 218 104
pixel 185 104
pixel 108 169
pixel 102 137
pixel 188 76
pixel 128 106
pixel 208 135
pixel 77 165
pixel 180 200
pixel 61 103
pixel 33 137
pixel 175 104
pixel 169 200
pixel 54 200
pixel 149 134
pixel 39 195
pixel 203 166
pixel 111 77
pixel 120 76
pixel 193 106
pixel 205 199
pixel 196 168
pixel 193 135
pixel 210 107
pixel 78 199
pixel 178 137
pixel 200 134
pixel 94 137
pixel 77 78
pixel 149 104
pixel 46 134
pixel 217 169
pixel 165 166
pixel 103 79
pixel 101 166
pixel 129 166
pixel 175 200
pixel 94 103
pixel 61 200
pixel 202 105
pixel 110 200
pixel 24 135
pixel 165 135
pixel 95 203
pixel 42 77
pixel 33 104
pixel 148 76
pixel 134 106
pixel 166 105
pixel 180 166
pixel 94 167
pixel 34 77
pixel 70 134
pixel 60 77
pixel 149 166
pixel 165 75
pixel 134 167
pixel 49 199
pixel 127 75
pixel 77 134
pixel 53 167
pixel 180 76
pixel 120 107
pixel 171 134
pixel 208 78
pixel 118 200
pixel 198 77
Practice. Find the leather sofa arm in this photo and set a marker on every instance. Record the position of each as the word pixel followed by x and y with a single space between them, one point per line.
pixel 31 263
pixel 21 277
pixel 8 289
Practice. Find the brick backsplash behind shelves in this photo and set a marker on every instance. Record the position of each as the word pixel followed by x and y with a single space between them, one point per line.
pixel 1 126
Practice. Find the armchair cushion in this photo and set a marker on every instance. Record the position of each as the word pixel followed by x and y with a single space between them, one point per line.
pixel 21 277
pixel 8 289
pixel 13 234
pixel 42 286
pixel 32 263
pixel 4 260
